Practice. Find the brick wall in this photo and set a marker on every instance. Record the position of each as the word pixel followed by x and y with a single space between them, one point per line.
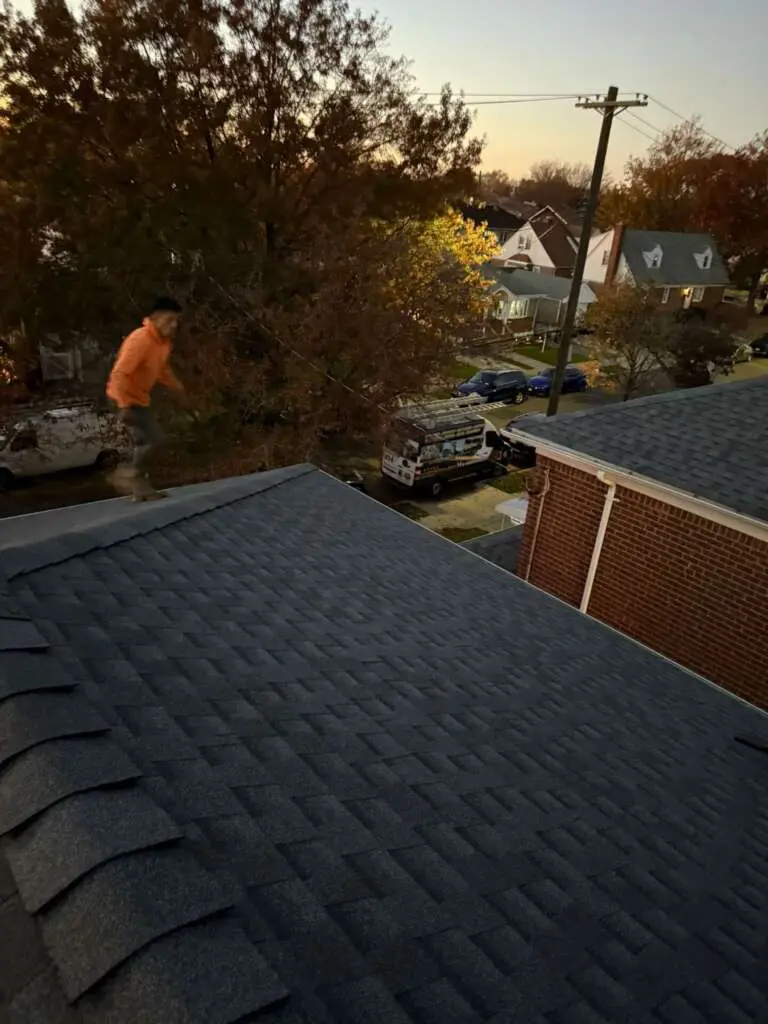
pixel 684 586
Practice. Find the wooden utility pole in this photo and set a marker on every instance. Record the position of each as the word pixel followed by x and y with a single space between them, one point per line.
pixel 608 105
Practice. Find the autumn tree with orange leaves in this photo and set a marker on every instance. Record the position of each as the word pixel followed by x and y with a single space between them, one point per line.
pixel 688 181
pixel 271 165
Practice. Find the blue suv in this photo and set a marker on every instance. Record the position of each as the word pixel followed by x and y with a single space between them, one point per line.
pixel 541 383
pixel 496 386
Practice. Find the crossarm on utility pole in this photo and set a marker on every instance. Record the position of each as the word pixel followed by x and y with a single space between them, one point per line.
pixel 609 105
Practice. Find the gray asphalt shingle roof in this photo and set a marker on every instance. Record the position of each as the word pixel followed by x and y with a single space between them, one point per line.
pixel 711 442
pixel 678 264
pixel 301 761
pixel 525 282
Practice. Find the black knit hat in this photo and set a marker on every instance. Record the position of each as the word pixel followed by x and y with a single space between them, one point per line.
pixel 165 304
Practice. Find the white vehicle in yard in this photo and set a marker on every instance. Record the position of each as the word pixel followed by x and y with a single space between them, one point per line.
pixel 441 442
pixel 62 436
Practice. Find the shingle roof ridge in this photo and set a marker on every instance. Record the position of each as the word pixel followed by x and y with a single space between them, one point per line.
pixel 676 395
pixel 182 503
pixel 102 871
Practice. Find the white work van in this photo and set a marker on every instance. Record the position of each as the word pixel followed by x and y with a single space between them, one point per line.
pixel 57 438
pixel 429 445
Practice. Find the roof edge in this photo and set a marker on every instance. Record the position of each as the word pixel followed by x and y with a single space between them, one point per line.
pixel 673 395
pixel 182 503
pixel 731 518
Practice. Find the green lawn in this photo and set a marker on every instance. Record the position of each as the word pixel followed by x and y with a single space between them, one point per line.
pixel 458 534
pixel 547 355
pixel 512 483
pixel 410 510
pixel 461 370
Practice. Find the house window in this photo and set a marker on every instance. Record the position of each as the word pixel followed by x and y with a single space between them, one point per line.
pixel 524 242
pixel 653 258
pixel 703 259
pixel 698 294
pixel 518 308
pixel 665 295
pixel 535 269
pixel 606 257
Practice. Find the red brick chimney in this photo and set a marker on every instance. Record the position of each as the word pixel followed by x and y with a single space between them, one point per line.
pixel 615 254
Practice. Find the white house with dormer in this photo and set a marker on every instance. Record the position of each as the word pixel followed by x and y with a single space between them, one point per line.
pixel 685 268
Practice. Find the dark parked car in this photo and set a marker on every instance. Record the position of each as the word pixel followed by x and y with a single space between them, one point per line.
pixel 520 455
pixel 496 386
pixel 760 347
pixel 541 383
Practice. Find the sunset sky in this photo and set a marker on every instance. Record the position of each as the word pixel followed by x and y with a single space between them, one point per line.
pixel 702 57
pixel 696 56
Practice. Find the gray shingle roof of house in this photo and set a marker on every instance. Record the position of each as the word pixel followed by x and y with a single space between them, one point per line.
pixel 678 264
pixel 273 752
pixel 525 282
pixel 711 442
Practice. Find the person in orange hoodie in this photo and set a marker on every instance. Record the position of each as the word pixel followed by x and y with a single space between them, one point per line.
pixel 143 362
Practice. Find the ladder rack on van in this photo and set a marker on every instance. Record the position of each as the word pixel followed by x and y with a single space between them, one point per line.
pixel 448 405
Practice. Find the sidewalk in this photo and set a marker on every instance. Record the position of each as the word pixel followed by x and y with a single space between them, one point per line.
pixel 499 363
pixel 531 364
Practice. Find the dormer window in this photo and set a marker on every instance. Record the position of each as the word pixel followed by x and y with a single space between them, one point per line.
pixel 653 258
pixel 703 259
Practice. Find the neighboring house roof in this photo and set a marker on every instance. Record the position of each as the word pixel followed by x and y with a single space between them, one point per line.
pixel 269 746
pixel 711 442
pixel 679 265
pixel 555 236
pixel 497 218
pixel 522 209
pixel 525 283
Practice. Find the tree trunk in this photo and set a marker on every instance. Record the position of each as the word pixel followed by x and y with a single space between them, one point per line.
pixel 754 287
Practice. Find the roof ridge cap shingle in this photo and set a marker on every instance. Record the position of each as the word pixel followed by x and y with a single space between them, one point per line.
pixel 103 872
pixel 674 395
pixel 27 557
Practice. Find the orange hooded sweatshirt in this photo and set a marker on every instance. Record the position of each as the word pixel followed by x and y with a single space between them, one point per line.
pixel 141 363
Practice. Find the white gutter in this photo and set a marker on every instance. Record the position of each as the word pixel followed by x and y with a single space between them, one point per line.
pixel 597 550
pixel 632 481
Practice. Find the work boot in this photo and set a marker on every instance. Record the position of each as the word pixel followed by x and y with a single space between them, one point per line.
pixel 144 491
pixel 123 479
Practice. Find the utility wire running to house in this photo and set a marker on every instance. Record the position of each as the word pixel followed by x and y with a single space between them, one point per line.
pixel 515 95
pixel 621 118
pixel 643 121
pixel 519 99
pixel 682 117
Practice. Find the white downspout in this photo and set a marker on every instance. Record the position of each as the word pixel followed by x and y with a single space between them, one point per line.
pixel 610 497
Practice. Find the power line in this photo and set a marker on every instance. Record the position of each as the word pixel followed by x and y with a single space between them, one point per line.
pixel 609 106
pixel 514 95
pixel 682 117
pixel 530 99
pixel 527 99
pixel 647 124
pixel 634 127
